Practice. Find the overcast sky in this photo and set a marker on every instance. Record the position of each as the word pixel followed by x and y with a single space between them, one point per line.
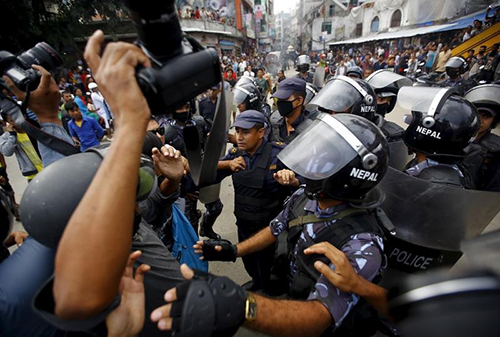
pixel 283 5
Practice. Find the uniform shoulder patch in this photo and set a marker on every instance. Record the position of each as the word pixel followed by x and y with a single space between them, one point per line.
pixel 279 144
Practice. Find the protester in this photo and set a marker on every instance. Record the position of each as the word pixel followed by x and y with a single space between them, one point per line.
pixel 86 132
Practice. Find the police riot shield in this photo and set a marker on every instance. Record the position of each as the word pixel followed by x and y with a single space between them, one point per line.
pixel 319 76
pixel 398 155
pixel 211 193
pixel 430 220
pixel 203 164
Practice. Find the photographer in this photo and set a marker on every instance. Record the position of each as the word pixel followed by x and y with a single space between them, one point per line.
pixel 44 102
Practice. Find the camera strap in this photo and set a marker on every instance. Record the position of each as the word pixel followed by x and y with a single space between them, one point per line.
pixel 10 107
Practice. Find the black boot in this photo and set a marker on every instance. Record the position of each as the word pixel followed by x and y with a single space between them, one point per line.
pixel 206 225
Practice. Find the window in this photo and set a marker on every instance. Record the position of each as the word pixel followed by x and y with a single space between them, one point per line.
pixel 375 24
pixel 359 29
pixel 331 11
pixel 326 27
pixel 396 19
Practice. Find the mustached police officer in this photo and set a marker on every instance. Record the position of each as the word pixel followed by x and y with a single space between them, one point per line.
pixel 322 211
pixel 259 196
pixel 291 118
pixel 441 127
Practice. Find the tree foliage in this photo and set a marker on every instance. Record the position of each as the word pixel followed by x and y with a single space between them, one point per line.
pixel 58 22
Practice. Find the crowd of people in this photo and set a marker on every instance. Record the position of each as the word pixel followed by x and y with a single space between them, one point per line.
pixel 205 14
pixel 306 175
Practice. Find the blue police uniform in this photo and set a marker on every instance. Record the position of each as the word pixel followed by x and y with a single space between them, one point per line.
pixel 258 196
pixel 207 108
pixel 353 231
pixel 309 78
pixel 279 128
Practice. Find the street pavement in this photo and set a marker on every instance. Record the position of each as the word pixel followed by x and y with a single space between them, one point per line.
pixel 225 224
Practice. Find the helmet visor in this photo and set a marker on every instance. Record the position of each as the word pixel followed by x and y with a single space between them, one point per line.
pixel 336 96
pixel 317 153
pixel 418 98
pixel 382 78
pixel 484 94
pixel 240 94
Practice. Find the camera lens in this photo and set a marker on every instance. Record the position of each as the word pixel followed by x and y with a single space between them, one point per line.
pixel 43 55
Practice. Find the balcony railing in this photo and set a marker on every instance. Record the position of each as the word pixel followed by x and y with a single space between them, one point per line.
pixel 211 25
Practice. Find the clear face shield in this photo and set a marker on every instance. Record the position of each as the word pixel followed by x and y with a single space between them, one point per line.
pixel 323 149
pixel 336 96
pixel 382 78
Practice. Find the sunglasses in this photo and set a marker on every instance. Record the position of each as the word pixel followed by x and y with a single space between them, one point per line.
pixel 160 131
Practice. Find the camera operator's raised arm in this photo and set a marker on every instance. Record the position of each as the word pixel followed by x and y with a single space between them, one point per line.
pixel 95 246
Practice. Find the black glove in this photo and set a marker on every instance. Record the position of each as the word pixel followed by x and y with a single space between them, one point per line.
pixel 228 252
pixel 208 305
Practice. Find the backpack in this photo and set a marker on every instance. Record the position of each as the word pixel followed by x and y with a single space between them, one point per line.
pixel 184 239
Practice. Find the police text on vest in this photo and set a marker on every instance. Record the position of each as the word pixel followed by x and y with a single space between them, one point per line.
pixel 363 175
pixel 428 132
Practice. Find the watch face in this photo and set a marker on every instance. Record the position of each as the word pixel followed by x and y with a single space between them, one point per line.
pixel 251 308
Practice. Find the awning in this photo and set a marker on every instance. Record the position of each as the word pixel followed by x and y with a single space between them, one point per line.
pixel 196 30
pixel 396 34
pixel 469 19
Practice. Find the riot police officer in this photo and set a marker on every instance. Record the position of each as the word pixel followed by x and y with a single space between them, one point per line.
pixel 455 68
pixel 174 124
pixel 291 117
pixel 441 127
pixel 387 84
pixel 355 72
pixel 346 95
pixel 258 195
pixel 486 98
pixel 303 64
pixel 322 211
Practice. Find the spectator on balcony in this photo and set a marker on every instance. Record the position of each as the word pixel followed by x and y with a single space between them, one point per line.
pixel 197 13
pixel 204 14
pixel 467 34
pixel 478 27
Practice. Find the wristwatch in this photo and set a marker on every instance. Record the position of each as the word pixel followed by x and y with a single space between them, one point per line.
pixel 250 308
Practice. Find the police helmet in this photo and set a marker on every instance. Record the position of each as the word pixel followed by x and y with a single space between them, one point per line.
pixel 441 125
pixel 311 91
pixel 346 95
pixel 355 72
pixel 53 195
pixel 486 98
pixel 341 156
pixel 247 79
pixel 303 63
pixel 387 83
pixel 249 94
pixel 7 212
pixel 456 66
